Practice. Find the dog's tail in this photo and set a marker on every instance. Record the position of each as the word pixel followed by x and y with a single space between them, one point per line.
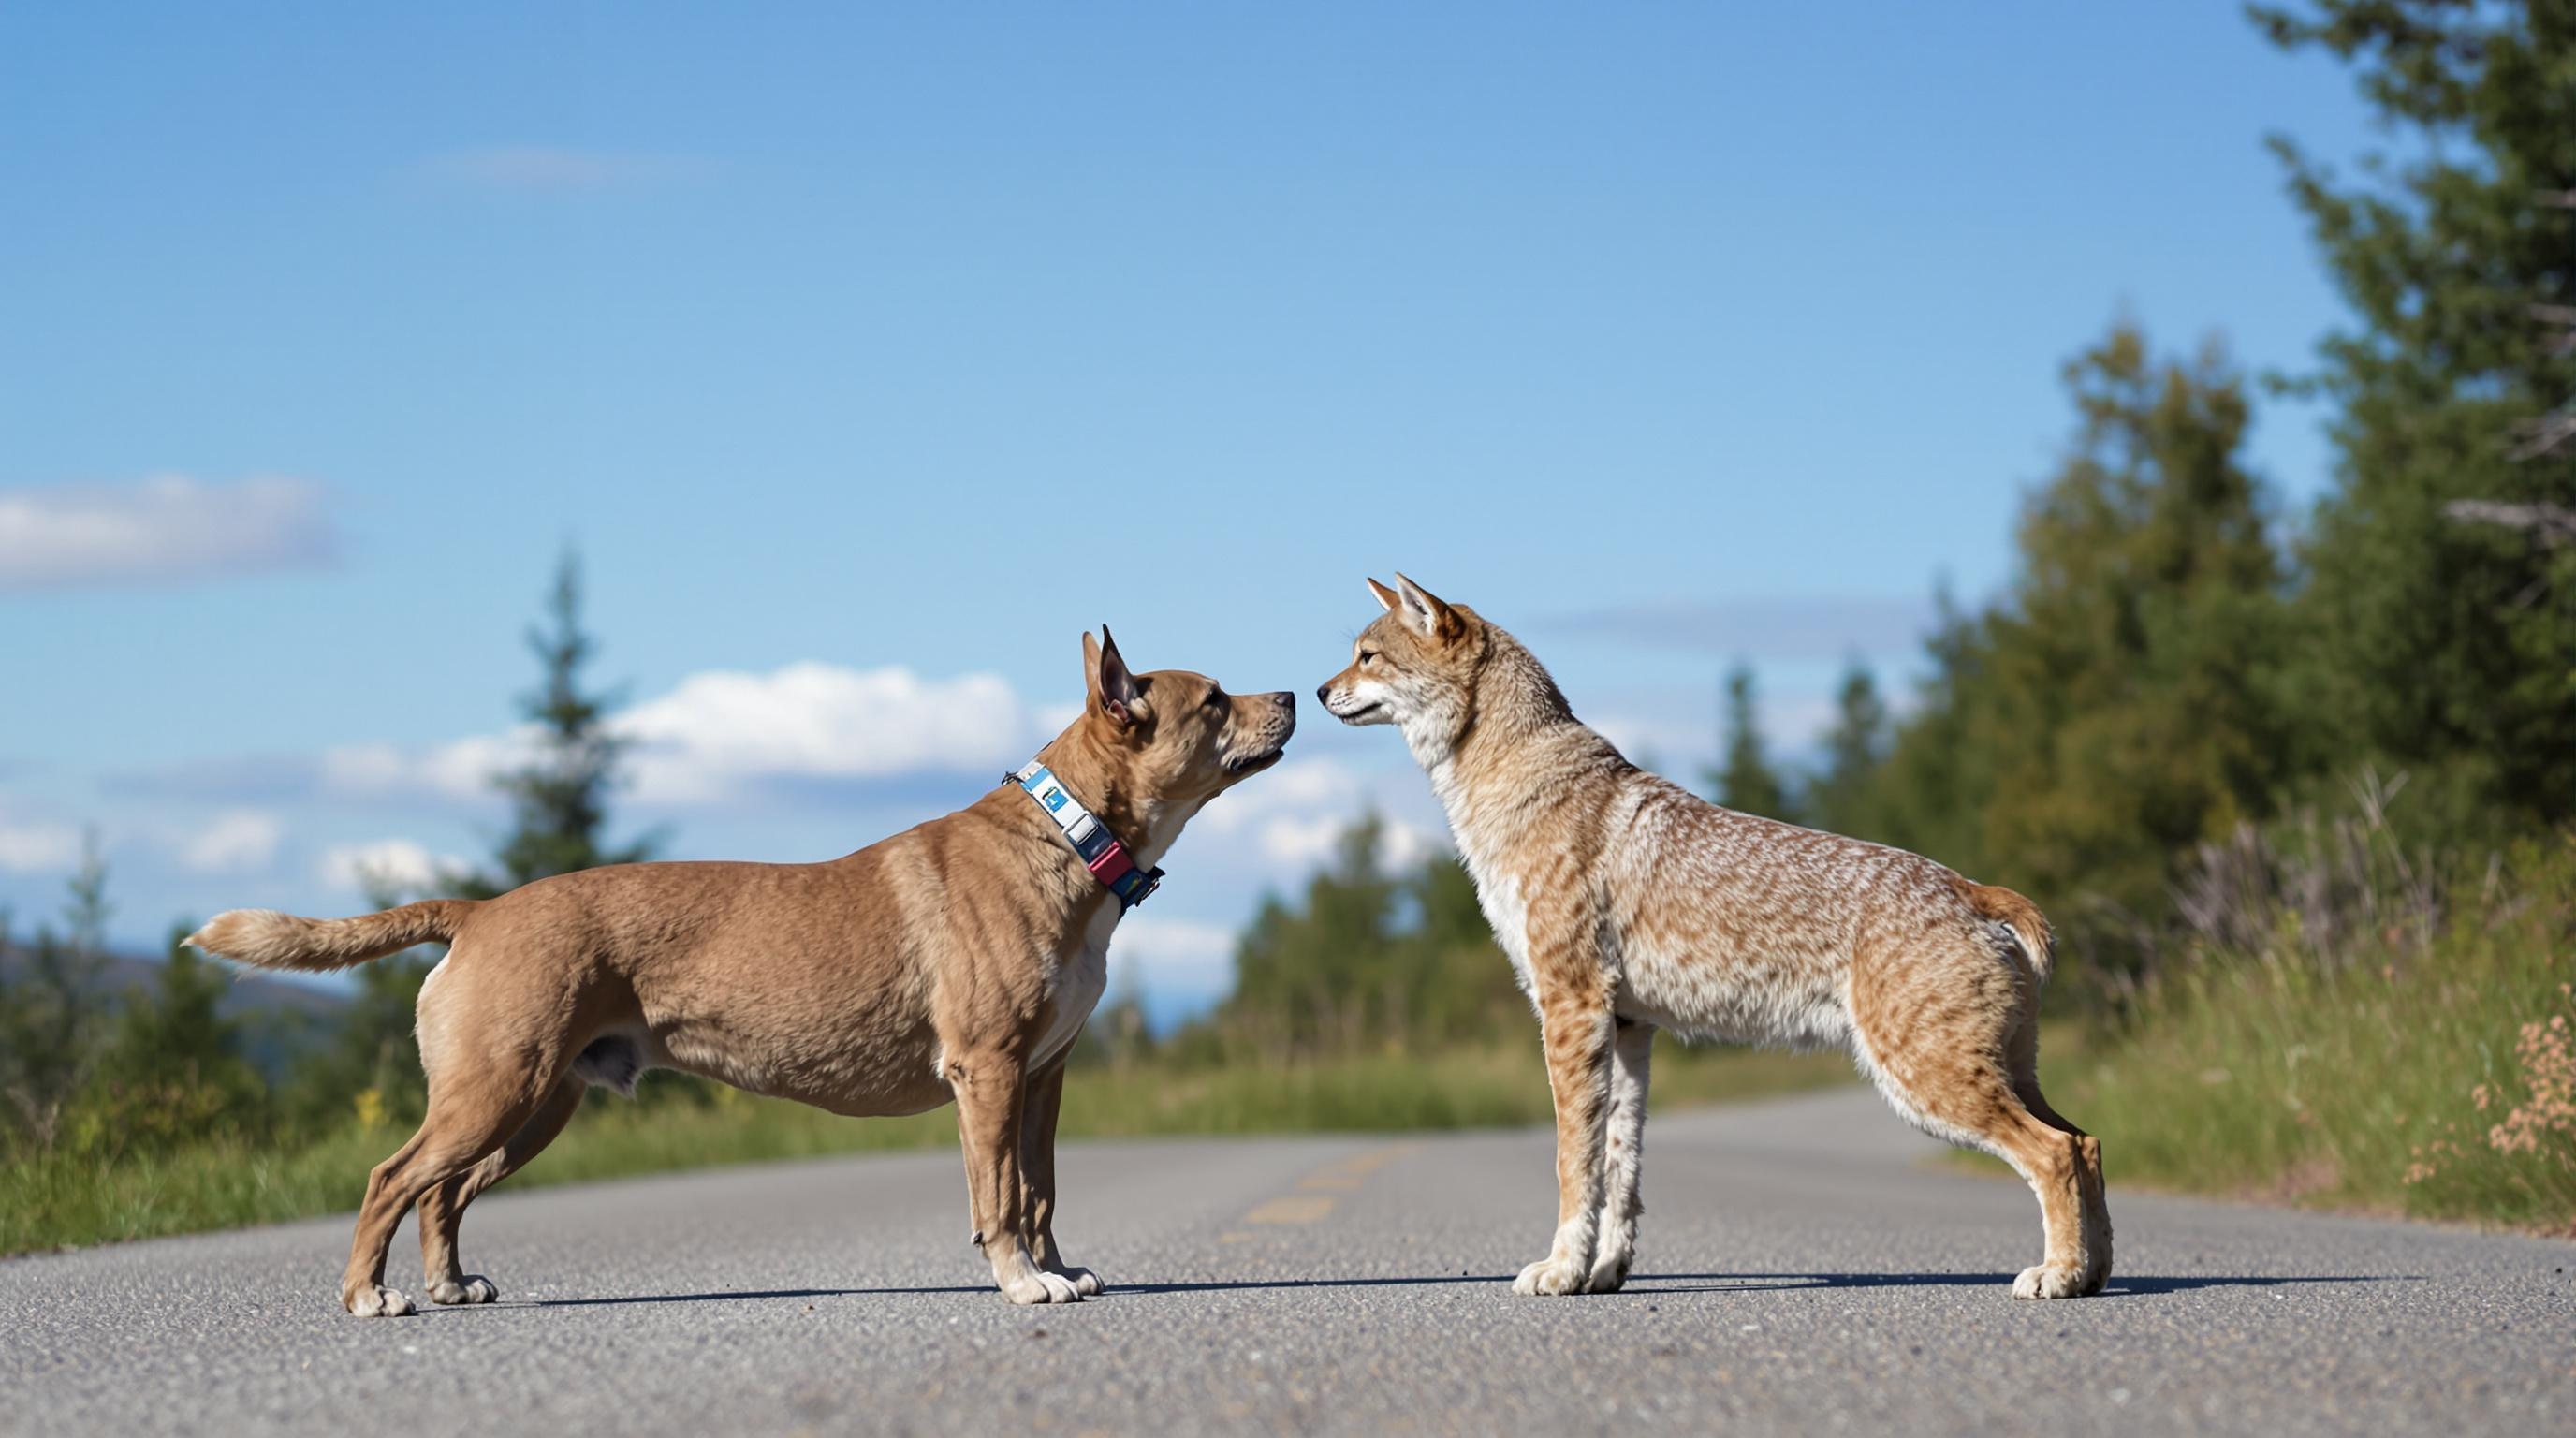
pixel 282 941
pixel 1997 904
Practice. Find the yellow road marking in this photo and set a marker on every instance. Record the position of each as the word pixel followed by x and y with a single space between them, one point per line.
pixel 1296 1208
pixel 1316 1199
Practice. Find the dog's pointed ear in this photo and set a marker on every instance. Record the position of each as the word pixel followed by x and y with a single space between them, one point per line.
pixel 1424 611
pixel 1387 598
pixel 1105 676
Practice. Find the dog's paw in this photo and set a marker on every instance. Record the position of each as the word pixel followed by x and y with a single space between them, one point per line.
pixel 376 1301
pixel 1609 1273
pixel 1550 1277
pixel 472 1288
pixel 2051 1280
pixel 1039 1286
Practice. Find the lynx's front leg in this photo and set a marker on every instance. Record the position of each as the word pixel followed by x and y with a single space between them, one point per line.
pixel 1623 1157
pixel 1576 1028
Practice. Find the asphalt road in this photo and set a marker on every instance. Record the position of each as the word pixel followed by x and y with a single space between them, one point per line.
pixel 1802 1269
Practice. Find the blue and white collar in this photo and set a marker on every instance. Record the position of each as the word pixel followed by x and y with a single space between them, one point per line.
pixel 1099 850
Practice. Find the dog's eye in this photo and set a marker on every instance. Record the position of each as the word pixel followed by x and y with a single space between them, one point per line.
pixel 1367 654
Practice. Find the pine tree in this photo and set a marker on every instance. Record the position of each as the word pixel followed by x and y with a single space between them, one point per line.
pixel 1839 798
pixel 1746 781
pixel 560 798
pixel 2123 701
pixel 50 1006
pixel 560 804
pixel 2439 645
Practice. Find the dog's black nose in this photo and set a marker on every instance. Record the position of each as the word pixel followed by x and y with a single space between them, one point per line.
pixel 1323 692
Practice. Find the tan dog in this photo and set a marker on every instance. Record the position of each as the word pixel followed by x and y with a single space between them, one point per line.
pixel 956 960
pixel 1626 902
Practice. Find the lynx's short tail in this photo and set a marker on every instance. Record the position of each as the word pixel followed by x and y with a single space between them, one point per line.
pixel 1997 904
pixel 282 941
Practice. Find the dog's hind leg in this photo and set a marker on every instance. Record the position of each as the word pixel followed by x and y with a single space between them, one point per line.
pixel 442 1209
pixel 1622 1157
pixel 483 1088
pixel 464 1123
pixel 1038 1109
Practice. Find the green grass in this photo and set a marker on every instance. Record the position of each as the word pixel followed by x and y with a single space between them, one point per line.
pixel 50 1203
pixel 2430 1074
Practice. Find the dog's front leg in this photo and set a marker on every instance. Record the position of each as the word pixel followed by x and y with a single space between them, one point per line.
pixel 1576 1028
pixel 991 1089
pixel 1037 1176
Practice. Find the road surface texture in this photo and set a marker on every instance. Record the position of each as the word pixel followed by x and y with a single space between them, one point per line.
pixel 1803 1270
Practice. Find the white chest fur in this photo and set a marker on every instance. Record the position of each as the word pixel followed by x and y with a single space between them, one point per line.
pixel 1079 983
pixel 1499 895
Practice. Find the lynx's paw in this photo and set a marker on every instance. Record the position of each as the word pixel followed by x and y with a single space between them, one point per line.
pixel 374 1300
pixel 1084 1281
pixel 1609 1272
pixel 472 1288
pixel 1551 1277
pixel 2050 1280
pixel 1040 1286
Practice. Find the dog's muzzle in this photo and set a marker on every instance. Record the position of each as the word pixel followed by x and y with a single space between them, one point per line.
pixel 1274 734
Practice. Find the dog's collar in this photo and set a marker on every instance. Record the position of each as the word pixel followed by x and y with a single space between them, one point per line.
pixel 1099 850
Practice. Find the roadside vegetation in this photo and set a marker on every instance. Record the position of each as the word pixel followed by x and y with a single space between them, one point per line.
pixel 2297 789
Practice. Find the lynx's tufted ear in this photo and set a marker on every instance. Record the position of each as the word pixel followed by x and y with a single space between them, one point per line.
pixel 1106 680
pixel 1424 610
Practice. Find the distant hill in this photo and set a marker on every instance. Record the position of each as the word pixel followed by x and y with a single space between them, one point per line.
pixel 279 1016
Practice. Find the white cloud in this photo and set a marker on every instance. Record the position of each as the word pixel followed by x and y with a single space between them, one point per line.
pixel 238 841
pixel 703 740
pixel 459 769
pixel 555 169
pixel 386 863
pixel 721 733
pixel 165 528
pixel 1174 958
pixel 36 848
pixel 1300 843
pixel 1294 815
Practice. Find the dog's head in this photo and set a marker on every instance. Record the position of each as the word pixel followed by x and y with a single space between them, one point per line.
pixel 1414 666
pixel 1177 734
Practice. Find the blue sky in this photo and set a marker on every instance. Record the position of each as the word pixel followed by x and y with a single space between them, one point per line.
pixel 869 356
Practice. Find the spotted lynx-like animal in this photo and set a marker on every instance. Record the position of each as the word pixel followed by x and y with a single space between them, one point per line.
pixel 1626 904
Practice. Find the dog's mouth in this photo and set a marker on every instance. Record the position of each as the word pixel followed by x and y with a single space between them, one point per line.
pixel 1362 712
pixel 1246 764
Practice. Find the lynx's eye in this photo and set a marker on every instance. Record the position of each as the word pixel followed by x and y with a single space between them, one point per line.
pixel 1215 699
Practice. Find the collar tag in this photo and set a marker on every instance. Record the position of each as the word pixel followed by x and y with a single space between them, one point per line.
pixel 1099 850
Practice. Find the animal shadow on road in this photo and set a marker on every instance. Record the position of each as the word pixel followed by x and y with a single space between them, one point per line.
pixel 1649 1284
pixel 2121 1286
pixel 1639 1285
